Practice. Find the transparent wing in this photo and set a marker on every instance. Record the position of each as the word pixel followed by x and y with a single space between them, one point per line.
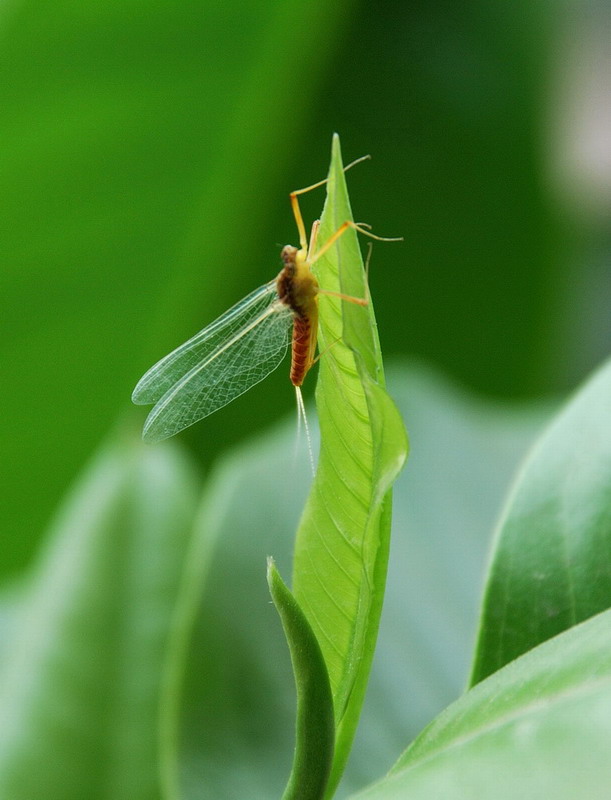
pixel 247 353
pixel 165 373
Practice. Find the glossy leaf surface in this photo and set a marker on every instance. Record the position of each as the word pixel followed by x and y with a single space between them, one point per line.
pixel 552 561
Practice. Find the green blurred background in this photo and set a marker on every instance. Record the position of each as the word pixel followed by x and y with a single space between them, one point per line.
pixel 147 152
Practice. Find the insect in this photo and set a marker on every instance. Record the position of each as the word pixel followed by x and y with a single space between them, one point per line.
pixel 247 342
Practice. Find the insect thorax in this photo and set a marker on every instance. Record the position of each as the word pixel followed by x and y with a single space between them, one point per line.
pixel 296 284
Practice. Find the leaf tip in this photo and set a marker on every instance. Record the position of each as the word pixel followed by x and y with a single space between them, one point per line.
pixel 272 572
pixel 336 152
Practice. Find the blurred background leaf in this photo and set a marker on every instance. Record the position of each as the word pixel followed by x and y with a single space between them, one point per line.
pixel 147 152
pixel 550 569
pixel 538 727
pixel 82 663
pixel 237 703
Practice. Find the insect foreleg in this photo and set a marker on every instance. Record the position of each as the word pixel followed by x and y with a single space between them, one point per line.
pixel 303 242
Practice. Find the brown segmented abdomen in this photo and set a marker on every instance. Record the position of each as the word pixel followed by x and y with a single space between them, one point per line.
pixel 297 288
pixel 302 348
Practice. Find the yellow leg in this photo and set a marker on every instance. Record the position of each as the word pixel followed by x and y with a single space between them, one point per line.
pixel 348 298
pixel 313 238
pixel 326 350
pixel 360 301
pixel 303 241
pixel 340 232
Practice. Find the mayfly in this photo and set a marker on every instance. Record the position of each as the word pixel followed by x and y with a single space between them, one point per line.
pixel 247 342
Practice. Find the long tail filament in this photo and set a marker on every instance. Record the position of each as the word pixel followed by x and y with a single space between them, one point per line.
pixel 301 415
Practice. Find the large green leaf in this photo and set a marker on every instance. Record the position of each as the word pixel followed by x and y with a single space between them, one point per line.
pixel 538 728
pixel 342 543
pixel 82 670
pixel 235 726
pixel 142 146
pixel 552 562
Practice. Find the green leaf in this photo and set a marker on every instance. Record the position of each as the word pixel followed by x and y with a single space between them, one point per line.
pixel 315 722
pixel 342 543
pixel 464 451
pixel 539 727
pixel 230 720
pixel 82 672
pixel 552 562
